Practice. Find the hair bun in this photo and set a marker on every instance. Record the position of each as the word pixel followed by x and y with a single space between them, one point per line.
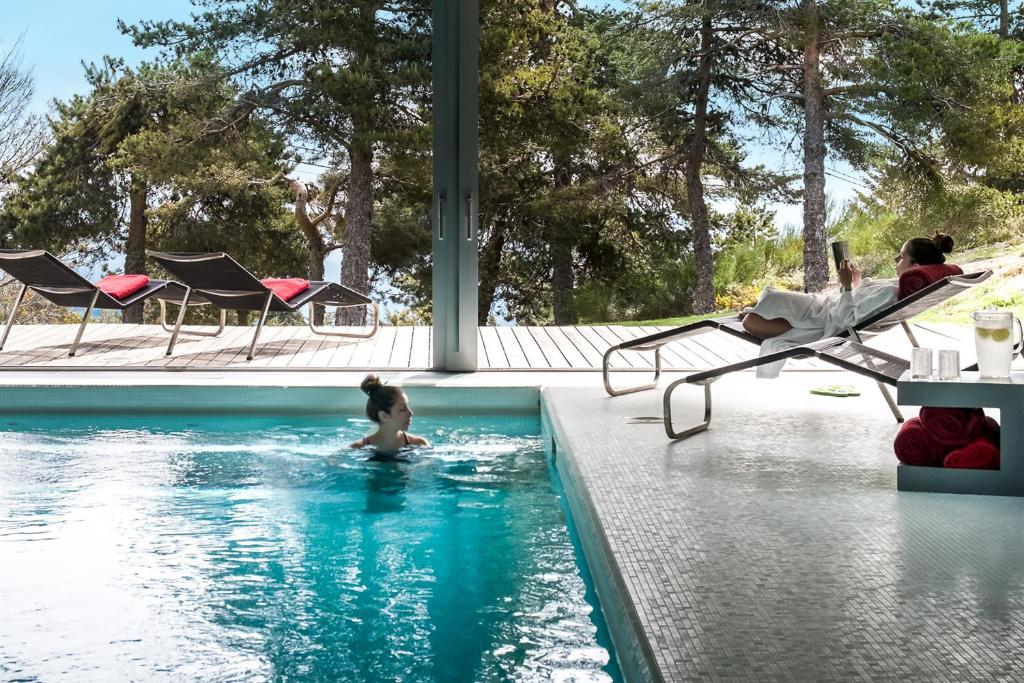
pixel 944 242
pixel 370 384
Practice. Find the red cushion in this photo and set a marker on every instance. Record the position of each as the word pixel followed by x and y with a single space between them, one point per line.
pixel 919 277
pixel 120 286
pixel 286 288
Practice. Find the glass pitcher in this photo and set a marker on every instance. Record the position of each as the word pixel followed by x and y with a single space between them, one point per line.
pixel 994 341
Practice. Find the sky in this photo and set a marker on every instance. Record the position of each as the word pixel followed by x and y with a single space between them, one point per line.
pixel 58 35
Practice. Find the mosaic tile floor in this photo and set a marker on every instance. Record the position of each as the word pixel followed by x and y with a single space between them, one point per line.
pixel 775 546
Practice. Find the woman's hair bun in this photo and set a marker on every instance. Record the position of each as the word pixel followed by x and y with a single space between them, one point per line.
pixel 370 384
pixel 944 242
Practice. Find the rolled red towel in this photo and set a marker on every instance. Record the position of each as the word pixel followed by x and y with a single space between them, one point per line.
pixel 979 454
pixel 952 427
pixel 914 445
pixel 990 431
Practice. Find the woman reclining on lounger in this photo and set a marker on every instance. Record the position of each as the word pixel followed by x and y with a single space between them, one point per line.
pixel 786 319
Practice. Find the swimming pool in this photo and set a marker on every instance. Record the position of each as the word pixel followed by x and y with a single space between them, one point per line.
pixel 261 547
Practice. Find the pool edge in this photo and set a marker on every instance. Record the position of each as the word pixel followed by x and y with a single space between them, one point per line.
pixel 635 656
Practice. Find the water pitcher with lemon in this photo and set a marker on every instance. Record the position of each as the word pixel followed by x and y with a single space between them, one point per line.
pixel 994 340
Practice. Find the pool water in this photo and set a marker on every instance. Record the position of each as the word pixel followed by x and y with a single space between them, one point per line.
pixel 248 548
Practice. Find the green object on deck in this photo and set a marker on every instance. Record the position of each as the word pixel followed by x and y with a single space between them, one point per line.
pixel 840 390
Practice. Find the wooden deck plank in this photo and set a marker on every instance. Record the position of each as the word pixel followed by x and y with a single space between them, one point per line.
pixel 552 354
pixel 564 345
pixel 419 356
pixel 594 350
pixel 611 338
pixel 581 353
pixel 361 353
pixel 402 349
pixel 495 353
pixel 346 349
pixel 382 350
pixel 531 350
pixel 512 348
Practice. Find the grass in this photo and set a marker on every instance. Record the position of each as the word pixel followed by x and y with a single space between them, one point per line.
pixel 1005 289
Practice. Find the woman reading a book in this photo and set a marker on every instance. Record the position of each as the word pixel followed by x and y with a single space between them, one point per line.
pixel 786 319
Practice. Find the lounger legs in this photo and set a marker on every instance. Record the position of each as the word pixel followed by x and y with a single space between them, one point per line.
pixel 606 373
pixel 667 410
pixel 177 323
pixel 167 328
pixel 85 321
pixel 14 312
pixel 259 325
pixel 319 330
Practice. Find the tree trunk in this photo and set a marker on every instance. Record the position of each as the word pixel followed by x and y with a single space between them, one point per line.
pixel 561 239
pixel 355 264
pixel 314 240
pixel 704 288
pixel 135 250
pixel 1004 19
pixel 815 257
pixel 563 282
pixel 490 271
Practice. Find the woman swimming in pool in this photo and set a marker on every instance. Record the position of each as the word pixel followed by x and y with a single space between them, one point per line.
pixel 389 408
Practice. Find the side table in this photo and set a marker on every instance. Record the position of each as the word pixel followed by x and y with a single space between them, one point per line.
pixel 970 392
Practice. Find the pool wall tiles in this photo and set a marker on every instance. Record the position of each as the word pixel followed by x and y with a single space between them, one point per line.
pixel 283 400
pixel 634 653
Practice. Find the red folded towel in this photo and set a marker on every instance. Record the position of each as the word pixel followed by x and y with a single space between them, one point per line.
pixel 920 277
pixel 914 445
pixel 286 288
pixel 120 286
pixel 979 454
pixel 952 427
pixel 990 431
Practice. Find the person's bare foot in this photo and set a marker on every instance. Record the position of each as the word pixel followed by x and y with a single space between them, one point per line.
pixel 741 315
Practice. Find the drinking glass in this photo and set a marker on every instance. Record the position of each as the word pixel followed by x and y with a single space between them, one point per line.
pixel 921 363
pixel 949 365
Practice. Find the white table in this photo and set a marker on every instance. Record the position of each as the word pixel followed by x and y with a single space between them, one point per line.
pixel 970 392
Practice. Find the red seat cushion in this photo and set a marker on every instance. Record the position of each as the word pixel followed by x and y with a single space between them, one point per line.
pixel 120 286
pixel 287 288
pixel 919 277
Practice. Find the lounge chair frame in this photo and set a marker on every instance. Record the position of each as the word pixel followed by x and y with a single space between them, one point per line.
pixel 46 275
pixel 216 279
pixel 884 368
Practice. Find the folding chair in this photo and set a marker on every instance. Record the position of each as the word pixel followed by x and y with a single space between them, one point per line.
pixel 219 280
pixel 52 279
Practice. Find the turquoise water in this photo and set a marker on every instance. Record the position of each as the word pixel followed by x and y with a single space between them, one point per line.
pixel 248 549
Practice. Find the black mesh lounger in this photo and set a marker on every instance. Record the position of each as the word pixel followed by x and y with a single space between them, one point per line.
pixel 52 279
pixel 845 350
pixel 220 281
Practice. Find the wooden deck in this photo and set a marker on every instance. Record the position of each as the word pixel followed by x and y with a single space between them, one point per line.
pixel 295 348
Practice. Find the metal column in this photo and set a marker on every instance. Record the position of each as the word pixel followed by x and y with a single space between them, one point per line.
pixel 456 197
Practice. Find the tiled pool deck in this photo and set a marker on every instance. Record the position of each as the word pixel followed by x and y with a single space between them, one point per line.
pixel 772 547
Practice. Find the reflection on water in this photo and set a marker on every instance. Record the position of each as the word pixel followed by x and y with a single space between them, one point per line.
pixel 247 550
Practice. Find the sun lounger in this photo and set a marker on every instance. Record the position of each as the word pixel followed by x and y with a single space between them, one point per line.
pixel 845 350
pixel 52 279
pixel 220 281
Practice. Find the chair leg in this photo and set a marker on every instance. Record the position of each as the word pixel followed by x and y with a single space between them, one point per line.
pixel 667 410
pixel 889 400
pixel 177 323
pixel 163 322
pixel 14 312
pixel 376 323
pixel 85 321
pixel 259 325
pixel 606 373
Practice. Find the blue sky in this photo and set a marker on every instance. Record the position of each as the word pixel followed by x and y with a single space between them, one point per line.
pixel 57 36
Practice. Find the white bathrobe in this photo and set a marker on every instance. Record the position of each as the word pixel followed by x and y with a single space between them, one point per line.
pixel 817 316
